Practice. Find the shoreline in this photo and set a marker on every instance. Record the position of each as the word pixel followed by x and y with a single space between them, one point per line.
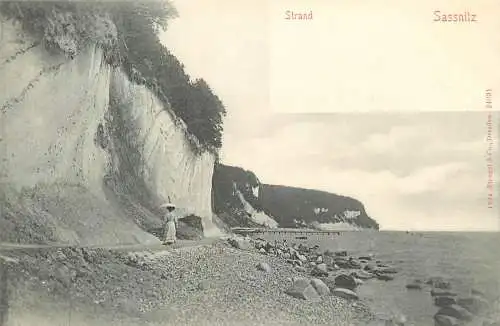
pixel 227 281
pixel 213 284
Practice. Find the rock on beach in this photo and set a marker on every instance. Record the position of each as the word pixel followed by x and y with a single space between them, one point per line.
pixel 345 281
pixel 345 293
pixel 320 287
pixel 303 289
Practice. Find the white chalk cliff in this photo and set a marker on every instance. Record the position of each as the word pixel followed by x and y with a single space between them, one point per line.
pixel 87 155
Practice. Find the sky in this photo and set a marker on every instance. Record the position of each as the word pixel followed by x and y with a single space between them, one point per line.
pixel 378 102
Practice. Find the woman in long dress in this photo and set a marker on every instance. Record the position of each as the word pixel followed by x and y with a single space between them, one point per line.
pixel 170 231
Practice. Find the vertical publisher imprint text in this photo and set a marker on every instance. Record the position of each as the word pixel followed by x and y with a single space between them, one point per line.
pixel 489 151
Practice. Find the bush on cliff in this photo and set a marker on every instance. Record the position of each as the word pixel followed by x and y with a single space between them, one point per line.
pixel 128 33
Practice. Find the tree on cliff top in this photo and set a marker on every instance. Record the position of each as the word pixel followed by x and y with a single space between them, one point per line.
pixel 128 33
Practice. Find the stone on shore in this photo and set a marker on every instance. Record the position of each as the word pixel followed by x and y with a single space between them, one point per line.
pixel 302 289
pixel 438 283
pixel 456 311
pixel 329 253
pixel 443 301
pixel 474 304
pixel 441 292
pixel 444 320
pixel 302 258
pixel 358 281
pixel 353 264
pixel 320 287
pixel 320 270
pixel 341 253
pixel 264 267
pixel 240 243
pixel 345 281
pixel 345 293
pixel 370 268
pixel 369 257
pixel 363 275
pixel 414 286
pixel 384 277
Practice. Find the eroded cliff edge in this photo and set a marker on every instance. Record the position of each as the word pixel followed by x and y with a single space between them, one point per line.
pixel 87 155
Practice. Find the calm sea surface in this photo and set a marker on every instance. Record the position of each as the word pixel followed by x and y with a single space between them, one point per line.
pixel 468 260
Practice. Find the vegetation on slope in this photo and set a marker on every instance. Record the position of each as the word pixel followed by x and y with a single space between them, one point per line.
pixel 288 204
pixel 226 202
pixel 285 204
pixel 128 33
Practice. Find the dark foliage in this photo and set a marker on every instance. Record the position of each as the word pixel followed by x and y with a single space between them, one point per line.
pixel 226 203
pixel 284 204
pixel 289 203
pixel 128 33
pixel 190 228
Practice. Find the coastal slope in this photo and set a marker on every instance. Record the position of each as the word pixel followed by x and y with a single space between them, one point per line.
pixel 240 199
pixel 87 154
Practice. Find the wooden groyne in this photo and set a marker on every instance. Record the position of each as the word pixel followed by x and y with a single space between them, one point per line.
pixel 283 231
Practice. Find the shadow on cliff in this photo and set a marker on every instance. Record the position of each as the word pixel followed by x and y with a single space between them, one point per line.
pixel 121 211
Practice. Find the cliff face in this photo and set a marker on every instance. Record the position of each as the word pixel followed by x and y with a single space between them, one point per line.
pixel 236 198
pixel 87 156
pixel 242 200
pixel 297 207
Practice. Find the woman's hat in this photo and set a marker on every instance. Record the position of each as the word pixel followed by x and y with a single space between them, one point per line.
pixel 168 205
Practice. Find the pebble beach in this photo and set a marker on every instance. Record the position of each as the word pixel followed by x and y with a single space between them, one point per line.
pixel 231 281
pixel 214 284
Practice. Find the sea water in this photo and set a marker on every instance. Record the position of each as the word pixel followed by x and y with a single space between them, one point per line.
pixel 467 260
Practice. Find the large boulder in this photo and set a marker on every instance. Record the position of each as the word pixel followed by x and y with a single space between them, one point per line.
pixel 345 293
pixel 474 304
pixel 345 281
pixel 303 289
pixel 190 228
pixel 320 270
pixel 456 311
pixel 320 287
pixel 240 243
pixel 264 267
pixel 444 320
pixel 443 301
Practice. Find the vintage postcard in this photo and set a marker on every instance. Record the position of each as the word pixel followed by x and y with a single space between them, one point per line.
pixel 265 162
